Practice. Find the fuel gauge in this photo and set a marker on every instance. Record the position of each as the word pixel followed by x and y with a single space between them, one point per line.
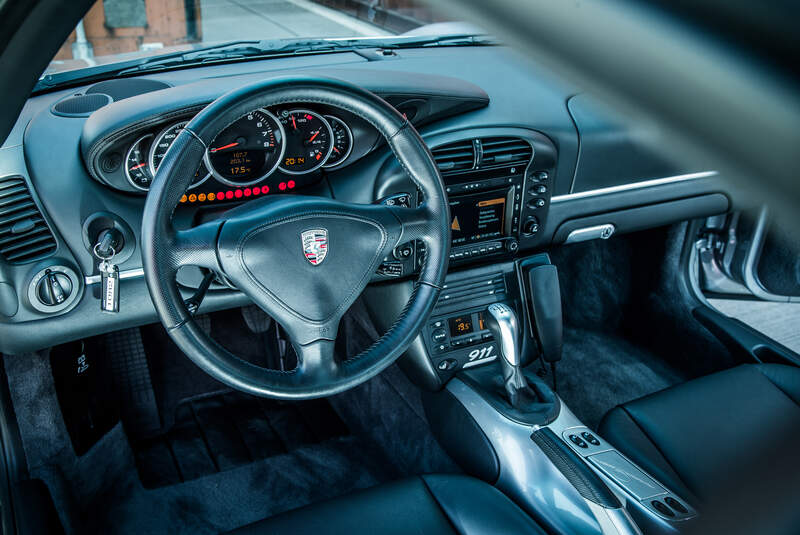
pixel 136 168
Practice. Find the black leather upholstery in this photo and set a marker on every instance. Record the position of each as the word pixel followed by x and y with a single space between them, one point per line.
pixel 696 436
pixel 431 504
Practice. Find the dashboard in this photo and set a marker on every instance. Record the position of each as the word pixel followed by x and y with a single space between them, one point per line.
pixel 527 160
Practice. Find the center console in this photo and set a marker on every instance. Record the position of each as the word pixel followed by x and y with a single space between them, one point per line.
pixel 533 448
pixel 497 313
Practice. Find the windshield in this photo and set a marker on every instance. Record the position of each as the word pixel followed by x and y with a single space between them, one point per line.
pixel 114 31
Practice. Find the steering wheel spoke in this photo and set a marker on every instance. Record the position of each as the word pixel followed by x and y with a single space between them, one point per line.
pixel 316 362
pixel 415 223
pixel 196 246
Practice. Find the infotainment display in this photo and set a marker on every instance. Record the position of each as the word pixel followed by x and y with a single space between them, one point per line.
pixel 478 216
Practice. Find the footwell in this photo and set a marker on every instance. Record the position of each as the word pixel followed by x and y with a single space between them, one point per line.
pixel 220 432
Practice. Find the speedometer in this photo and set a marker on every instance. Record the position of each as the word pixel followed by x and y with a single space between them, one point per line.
pixel 247 151
pixel 308 141
pixel 162 144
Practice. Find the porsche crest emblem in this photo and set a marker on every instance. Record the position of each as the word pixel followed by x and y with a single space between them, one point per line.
pixel 315 245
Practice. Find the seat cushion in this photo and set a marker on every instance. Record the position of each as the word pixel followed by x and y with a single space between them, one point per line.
pixel 431 504
pixel 697 435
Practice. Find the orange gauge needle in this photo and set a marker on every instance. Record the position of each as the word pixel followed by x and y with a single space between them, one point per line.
pixel 135 167
pixel 229 145
pixel 337 150
pixel 312 137
pixel 294 124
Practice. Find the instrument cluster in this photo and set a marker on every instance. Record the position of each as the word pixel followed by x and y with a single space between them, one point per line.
pixel 264 150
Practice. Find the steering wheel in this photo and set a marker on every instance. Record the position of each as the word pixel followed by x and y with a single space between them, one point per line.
pixel 259 247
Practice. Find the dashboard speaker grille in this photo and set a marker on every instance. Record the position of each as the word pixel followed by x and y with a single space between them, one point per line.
pixel 458 156
pixel 505 151
pixel 24 234
pixel 80 105
pixel 126 87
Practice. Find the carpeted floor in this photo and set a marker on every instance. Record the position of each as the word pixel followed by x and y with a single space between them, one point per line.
pixel 376 432
pixel 599 371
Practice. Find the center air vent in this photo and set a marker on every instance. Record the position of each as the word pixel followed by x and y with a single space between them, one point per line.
pixel 458 156
pixel 505 151
pixel 24 234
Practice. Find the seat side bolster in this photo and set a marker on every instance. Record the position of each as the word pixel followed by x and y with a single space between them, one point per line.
pixel 477 508
pixel 785 378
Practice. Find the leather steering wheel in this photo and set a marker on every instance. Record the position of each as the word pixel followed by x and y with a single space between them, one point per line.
pixel 258 247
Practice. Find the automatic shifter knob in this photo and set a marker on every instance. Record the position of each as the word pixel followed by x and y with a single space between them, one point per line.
pixel 502 322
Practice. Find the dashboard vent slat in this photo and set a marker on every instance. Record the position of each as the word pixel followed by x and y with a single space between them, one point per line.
pixel 505 151
pixel 24 234
pixel 458 156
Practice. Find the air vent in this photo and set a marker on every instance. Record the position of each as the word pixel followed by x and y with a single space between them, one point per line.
pixel 505 151
pixel 24 234
pixel 472 289
pixel 458 156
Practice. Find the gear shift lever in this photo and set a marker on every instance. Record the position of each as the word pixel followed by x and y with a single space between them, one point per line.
pixel 502 322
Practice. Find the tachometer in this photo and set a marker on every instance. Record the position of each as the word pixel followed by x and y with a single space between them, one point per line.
pixel 136 170
pixel 247 151
pixel 308 141
pixel 342 141
pixel 163 142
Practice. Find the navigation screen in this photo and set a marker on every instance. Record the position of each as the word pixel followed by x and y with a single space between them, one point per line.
pixel 477 217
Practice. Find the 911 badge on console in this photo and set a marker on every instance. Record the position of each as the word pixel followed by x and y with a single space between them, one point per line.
pixel 315 245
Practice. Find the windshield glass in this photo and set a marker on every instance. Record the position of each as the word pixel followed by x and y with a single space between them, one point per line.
pixel 119 30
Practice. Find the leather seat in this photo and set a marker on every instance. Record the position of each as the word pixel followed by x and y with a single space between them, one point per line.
pixel 431 504
pixel 701 435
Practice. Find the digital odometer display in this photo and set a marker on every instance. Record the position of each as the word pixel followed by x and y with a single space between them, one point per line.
pixel 247 151
pixel 308 141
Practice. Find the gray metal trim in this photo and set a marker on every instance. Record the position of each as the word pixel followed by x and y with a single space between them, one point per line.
pixel 632 186
pixel 597 232
pixel 529 477
pixel 754 256
pixel 126 274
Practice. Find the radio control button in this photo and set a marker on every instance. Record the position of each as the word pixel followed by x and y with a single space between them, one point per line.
pixel 512 246
pixel 536 203
pixel 539 189
pixel 542 175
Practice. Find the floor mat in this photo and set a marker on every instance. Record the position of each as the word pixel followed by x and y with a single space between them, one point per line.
pixel 599 371
pixel 220 432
